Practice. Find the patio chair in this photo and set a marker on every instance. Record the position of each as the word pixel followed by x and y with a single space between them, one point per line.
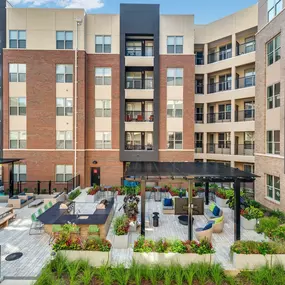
pixel 36 225
pixel 56 230
pixel 50 204
pixel 218 224
pixel 204 233
pixel 40 211
pixel 46 207
pixel 93 231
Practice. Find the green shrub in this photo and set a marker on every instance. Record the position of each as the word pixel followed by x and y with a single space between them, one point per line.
pixel 267 224
pixel 278 234
pixel 97 244
pixel 121 225
pixel 251 213
pixel 224 193
pixel 74 194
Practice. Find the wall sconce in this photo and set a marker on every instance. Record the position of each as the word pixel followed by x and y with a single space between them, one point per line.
pixel 94 161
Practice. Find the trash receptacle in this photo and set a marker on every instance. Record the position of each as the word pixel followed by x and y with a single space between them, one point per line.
pixel 155 219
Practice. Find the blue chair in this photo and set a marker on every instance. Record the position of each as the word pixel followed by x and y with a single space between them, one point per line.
pixel 205 232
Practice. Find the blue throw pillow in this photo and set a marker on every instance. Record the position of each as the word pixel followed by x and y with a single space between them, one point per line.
pixel 216 211
pixel 167 202
pixel 208 226
pixel 22 194
pixel 14 197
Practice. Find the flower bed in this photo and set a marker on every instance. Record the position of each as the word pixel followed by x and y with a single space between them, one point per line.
pixel 121 231
pixel 222 197
pixel 251 254
pixel 168 252
pixel 249 217
pixel 91 194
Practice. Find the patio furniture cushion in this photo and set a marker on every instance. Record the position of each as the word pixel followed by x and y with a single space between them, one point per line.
pixel 30 197
pixel 23 201
pixel 93 229
pixel 208 226
pixel 216 211
pixel 212 206
pixel 168 202
pixel 218 220
pixel 14 197
pixel 22 194
pixel 56 228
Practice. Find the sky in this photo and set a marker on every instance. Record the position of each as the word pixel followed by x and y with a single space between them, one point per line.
pixel 205 11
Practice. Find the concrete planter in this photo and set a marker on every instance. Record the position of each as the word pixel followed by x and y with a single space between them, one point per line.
pixel 278 259
pixel 250 261
pixel 95 258
pixel 90 198
pixel 133 227
pixel 121 241
pixel 222 203
pixel 147 194
pixel 248 224
pixel 170 258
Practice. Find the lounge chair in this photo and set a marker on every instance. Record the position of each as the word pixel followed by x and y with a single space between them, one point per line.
pixel 218 224
pixel 35 226
pixel 204 233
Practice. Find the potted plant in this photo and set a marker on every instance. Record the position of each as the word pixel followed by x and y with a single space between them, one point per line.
pixel 91 194
pixel 249 217
pixel 222 196
pixel 121 231
pixel 165 252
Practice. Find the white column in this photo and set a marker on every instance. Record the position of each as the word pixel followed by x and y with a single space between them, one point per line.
pixel 234 45
pixel 233 77
pixel 205 109
pixel 205 53
pixel 232 142
pixel 205 84
pixel 205 142
pixel 233 110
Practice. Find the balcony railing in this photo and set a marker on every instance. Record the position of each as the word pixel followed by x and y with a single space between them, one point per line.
pixel 199 88
pixel 199 118
pixel 245 48
pixel 220 117
pixel 244 82
pixel 199 60
pixel 245 115
pixel 139 116
pixel 139 83
pixel 199 147
pixel 244 149
pixel 219 87
pixel 219 148
pixel 137 146
pixel 139 51
pixel 219 55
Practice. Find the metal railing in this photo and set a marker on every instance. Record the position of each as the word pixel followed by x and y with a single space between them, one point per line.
pixel 199 118
pixel 244 82
pixel 139 83
pixel 134 146
pixel 199 88
pixel 219 148
pixel 220 117
pixel 199 147
pixel 139 51
pixel 199 60
pixel 245 115
pixel 73 183
pixel 219 86
pixel 219 55
pixel 244 149
pixel 139 116
pixel 245 48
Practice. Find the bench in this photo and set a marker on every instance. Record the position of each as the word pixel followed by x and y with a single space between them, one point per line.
pixel 5 220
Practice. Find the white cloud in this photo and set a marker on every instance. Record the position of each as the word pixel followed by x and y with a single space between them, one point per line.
pixel 85 4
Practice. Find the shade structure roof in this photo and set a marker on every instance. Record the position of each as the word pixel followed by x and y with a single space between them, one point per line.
pixel 202 171
pixel 9 160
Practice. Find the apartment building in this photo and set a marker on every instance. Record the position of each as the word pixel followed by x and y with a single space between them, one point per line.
pixel 88 93
pixel 270 81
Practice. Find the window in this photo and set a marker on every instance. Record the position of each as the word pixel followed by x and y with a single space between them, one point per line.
pixel 64 106
pixel 198 140
pixel 273 187
pixel 103 75
pixel 248 168
pixel 64 40
pixel 273 50
pixel 64 139
pixel 273 142
pixel 225 112
pixel 175 140
pixel 103 140
pixel 20 172
pixel 102 108
pixel 63 173
pixel 174 44
pixel 18 106
pixel 224 140
pixel 17 72
pixel 274 7
pixel 174 109
pixel 103 44
pixel 64 73
pixel 18 139
pixel 249 140
pixel 273 96
pixel 174 76
pixel 17 39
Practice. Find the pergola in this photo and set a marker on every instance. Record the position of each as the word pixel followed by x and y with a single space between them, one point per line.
pixel 191 172
pixel 11 172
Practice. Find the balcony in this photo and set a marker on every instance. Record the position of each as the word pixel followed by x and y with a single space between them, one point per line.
pixel 245 48
pixel 219 87
pixel 199 60
pixel 138 83
pixel 219 56
pixel 221 117
pixel 137 146
pixel 245 115
pixel 199 88
pixel 199 147
pixel 199 118
pixel 244 82
pixel 139 116
pixel 219 148
pixel 244 149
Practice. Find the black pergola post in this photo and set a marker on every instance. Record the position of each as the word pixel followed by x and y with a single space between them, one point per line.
pixel 190 222
pixel 11 179
pixel 207 192
pixel 143 207
pixel 237 209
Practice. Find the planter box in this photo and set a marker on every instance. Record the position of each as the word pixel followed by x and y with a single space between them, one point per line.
pixel 278 259
pixel 148 194
pixel 222 202
pixel 95 258
pixel 170 258
pixel 121 241
pixel 248 224
pixel 133 227
pixel 250 261
pixel 90 198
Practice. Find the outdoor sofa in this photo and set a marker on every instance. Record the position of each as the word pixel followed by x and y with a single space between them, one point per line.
pixel 21 200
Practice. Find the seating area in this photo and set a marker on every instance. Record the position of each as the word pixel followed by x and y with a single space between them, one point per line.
pixel 21 200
